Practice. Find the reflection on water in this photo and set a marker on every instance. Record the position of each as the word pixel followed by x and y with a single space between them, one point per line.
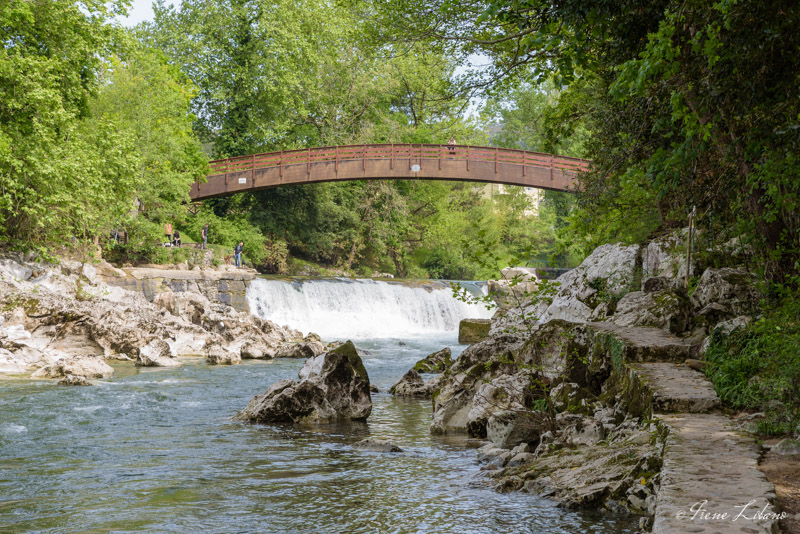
pixel 157 451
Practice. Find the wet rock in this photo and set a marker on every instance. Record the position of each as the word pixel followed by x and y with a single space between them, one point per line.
pixel 256 350
pixel 473 330
pixel 72 380
pixel 411 385
pixel 333 386
pixel 376 445
pixel 438 362
pixel 217 355
pixel 79 367
pixel 374 389
pixel 156 354
pixel 509 429
pixel 304 350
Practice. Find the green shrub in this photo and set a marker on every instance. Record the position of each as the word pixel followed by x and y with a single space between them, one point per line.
pixel 758 368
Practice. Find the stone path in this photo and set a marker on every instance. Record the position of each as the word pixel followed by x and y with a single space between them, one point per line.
pixel 677 388
pixel 710 481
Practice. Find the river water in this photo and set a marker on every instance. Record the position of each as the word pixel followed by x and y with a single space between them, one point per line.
pixel 156 450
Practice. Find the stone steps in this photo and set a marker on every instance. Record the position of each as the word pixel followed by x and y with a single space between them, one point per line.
pixel 643 344
pixel 710 481
pixel 677 388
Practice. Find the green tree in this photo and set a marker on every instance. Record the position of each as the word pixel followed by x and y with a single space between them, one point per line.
pixel 62 174
pixel 150 101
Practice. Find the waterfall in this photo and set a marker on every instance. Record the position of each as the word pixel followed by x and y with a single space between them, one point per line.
pixel 342 308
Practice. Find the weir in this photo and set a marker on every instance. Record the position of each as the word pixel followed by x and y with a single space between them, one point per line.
pixel 345 308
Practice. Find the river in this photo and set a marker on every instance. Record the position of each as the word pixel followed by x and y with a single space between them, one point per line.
pixel 156 450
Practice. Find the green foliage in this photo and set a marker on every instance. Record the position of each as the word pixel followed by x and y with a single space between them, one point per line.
pixel 62 174
pixel 758 368
pixel 149 101
pixel 227 232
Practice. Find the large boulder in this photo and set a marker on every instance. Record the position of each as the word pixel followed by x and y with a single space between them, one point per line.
pixel 217 355
pixel 438 362
pixel 724 294
pixel 606 274
pixel 411 385
pixel 667 309
pixel 332 387
pixel 665 256
pixel 157 353
pixel 509 429
pixel 478 364
pixel 80 367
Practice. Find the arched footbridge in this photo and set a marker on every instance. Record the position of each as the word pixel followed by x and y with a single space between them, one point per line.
pixel 389 162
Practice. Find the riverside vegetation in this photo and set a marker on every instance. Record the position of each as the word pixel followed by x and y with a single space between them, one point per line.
pixel 682 106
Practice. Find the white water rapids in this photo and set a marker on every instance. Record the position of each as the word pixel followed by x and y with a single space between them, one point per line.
pixel 339 309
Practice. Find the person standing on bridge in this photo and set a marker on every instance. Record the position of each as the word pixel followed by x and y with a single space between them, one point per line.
pixel 176 239
pixel 237 254
pixel 168 232
pixel 204 235
pixel 451 145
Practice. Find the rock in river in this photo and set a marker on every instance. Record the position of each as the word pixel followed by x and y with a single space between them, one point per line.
pixel 333 386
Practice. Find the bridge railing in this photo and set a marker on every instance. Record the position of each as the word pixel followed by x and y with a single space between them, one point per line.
pixel 410 152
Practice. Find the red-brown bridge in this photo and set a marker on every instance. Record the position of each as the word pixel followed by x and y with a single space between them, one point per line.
pixel 390 162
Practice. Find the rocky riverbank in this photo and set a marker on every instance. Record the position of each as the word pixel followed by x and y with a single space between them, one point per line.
pixel 589 395
pixel 62 321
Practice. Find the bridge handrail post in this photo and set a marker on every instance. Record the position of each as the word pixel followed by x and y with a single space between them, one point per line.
pixel 308 161
pixel 336 156
pixel 391 161
pixel 496 152
pixel 280 164
pixel 440 157
pixel 363 157
pixel 468 156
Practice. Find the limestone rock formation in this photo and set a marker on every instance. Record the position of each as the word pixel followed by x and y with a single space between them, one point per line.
pixel 438 362
pixel 514 286
pixel 724 294
pixel 666 308
pixel 80 367
pixel 473 330
pixel 411 385
pixel 69 314
pixel 156 354
pixel 332 387
pixel 218 355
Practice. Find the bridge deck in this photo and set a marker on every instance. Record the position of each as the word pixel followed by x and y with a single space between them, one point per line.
pixel 390 161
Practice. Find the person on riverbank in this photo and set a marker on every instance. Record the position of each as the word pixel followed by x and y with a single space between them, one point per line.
pixel 204 235
pixel 176 239
pixel 237 254
pixel 168 231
